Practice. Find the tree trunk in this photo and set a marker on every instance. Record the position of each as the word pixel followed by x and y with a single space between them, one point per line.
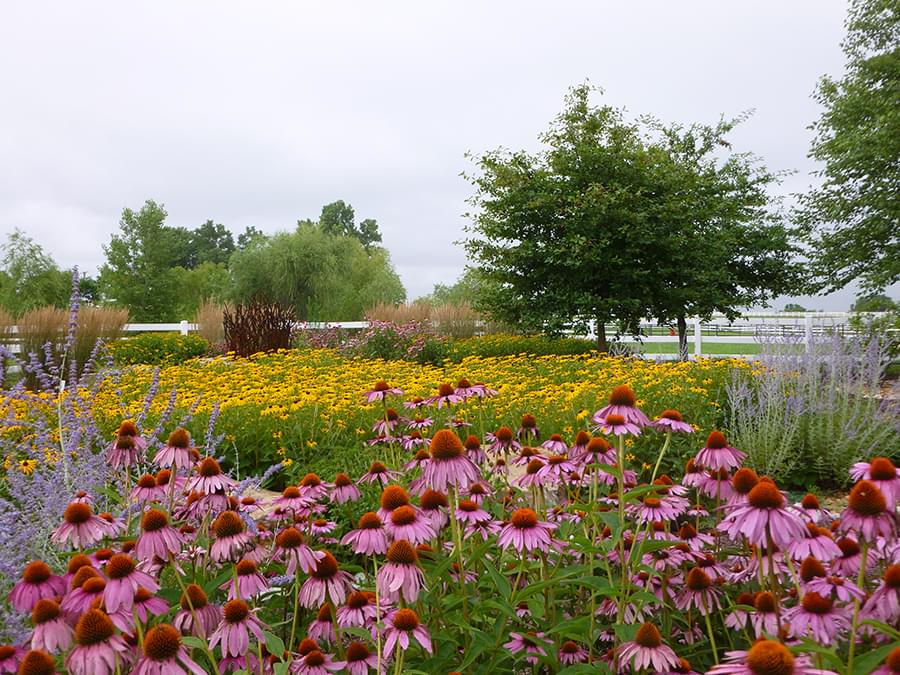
pixel 602 345
pixel 682 338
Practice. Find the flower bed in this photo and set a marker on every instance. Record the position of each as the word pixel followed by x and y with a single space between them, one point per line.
pixel 531 547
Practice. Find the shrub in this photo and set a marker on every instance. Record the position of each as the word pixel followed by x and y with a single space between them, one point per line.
pixel 158 349
pixel 809 415
pixel 410 341
pixel 257 326
pixel 510 345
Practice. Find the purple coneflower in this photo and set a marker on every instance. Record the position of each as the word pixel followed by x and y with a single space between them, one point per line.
pixel 502 440
pixel 433 505
pixel 326 580
pixel 123 453
pixel 738 618
pixel 231 537
pixel 765 616
pixel 360 610
pixel 446 396
pixel 556 468
pixel 238 622
pixel 177 451
pixel 556 445
pixel 478 491
pixel 698 592
pixel 147 604
pixel 98 650
pixel 532 476
pixel 360 659
pixel 764 518
pixel 401 576
pixel 533 645
pixel 411 442
pixel 882 472
pixel 381 391
pixel 378 472
pixel 884 603
pixel 164 654
pixel 147 490
pixel 743 480
pixel 210 479
pixel 817 543
pixel 34 662
pixel 417 402
pixel 292 499
pixel 80 527
pixel 867 515
pixel 717 454
pixel 87 587
pixel 385 426
pixel 616 425
pixel 851 558
pixel 622 403
pixel 407 523
pixel 449 465
pixel 51 632
pixel 652 509
pixel 315 662
pixel 465 389
pixel 343 490
pixel 402 625
pixel 891 665
pixel 247 581
pixel 648 651
pixel 571 652
pixel 38 582
pixel 321 526
pixel 10 658
pixel 764 657
pixel 696 541
pixel 124 579
pixel 469 512
pixel 528 428
pixel 457 423
pixel 835 587
pixel 158 538
pixel 420 423
pixel 196 616
pixel 322 627
pixel 810 507
pixel 671 420
pixel 369 538
pixel 525 532
pixel 474 450
pixel 392 497
pixel 291 548
pixel 817 617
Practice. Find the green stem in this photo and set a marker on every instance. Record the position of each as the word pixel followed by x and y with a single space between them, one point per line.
pixel 860 580
pixel 712 639
pixel 661 455
pixel 296 607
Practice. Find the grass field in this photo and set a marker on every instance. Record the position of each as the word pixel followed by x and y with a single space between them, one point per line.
pixel 709 348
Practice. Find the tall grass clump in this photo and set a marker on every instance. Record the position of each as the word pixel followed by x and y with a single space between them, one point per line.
pixel 96 324
pixel 41 332
pixel 810 414
pixel 209 322
pixel 414 312
pixel 457 320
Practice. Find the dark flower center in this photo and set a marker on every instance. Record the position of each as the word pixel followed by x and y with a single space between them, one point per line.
pixel 504 434
pixel 245 568
pixel 569 647
pixel 881 468
pixel 671 414
pixel 768 657
pixel 369 521
pixel 623 395
pixel 744 480
pixel 209 467
pixel 401 552
pixel 765 602
pixel 235 610
pixel 848 547
pixel 892 576
pixel 179 438
pixel 193 596
pixel 393 496
pixel 866 499
pixel 37 663
pixel 816 604
pixel 406 620
pixel 403 515
pixel 77 562
pixel 311 480
pixel 154 520
pixel 467 505
pixel 306 646
pixel 162 642
pixel 127 428
pixel 147 481
pixel 446 390
pixel 446 445
pixel 315 659
pixel 432 500
pixel 528 421
pixel 44 610
pixel 472 442
pixel 716 440
pixel 342 480
pixel 810 501
pixel 765 496
pixel 357 651
pixel 82 575
pixel 534 466
pixel 119 566
pixel 357 600
pixel 381 385
pixel 524 519
pixel 162 478
pixel 326 568
pixel 93 627
pixel 698 580
pixel 228 524
pixel 94 586
pixel 324 613
pixel 77 513
pixel 377 468
pixel 290 537
pixel 291 492
pixel 614 420
pixel 648 636
pixel 36 572
pixel 893 660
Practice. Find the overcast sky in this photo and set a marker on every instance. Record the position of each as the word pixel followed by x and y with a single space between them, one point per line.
pixel 260 113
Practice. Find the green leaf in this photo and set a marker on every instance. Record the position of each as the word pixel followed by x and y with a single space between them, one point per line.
pixel 866 663
pixel 193 642
pixel 500 582
pixel 274 644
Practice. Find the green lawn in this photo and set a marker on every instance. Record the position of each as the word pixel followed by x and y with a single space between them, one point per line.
pixel 708 347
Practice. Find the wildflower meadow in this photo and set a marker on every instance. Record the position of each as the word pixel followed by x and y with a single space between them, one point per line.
pixel 565 514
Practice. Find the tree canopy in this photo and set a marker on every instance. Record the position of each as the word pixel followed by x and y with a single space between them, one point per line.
pixel 29 277
pixel 854 216
pixel 618 221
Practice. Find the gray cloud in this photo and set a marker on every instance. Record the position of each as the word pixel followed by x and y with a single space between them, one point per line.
pixel 260 113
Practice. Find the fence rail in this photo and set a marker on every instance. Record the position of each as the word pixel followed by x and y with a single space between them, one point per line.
pixel 751 328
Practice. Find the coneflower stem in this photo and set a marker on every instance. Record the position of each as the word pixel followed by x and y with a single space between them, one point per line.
pixel 187 596
pixel 662 453
pixel 712 639
pixel 377 614
pixel 860 580
pixel 296 606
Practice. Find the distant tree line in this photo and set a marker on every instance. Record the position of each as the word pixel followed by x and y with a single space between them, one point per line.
pixel 330 269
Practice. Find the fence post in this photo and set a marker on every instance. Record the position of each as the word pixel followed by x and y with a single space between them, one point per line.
pixel 698 338
pixel 808 332
pixel 184 327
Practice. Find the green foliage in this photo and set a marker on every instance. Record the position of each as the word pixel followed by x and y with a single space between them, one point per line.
pixel 338 219
pixel 208 281
pixel 29 278
pixel 618 221
pixel 853 215
pixel 323 277
pixel 794 307
pixel 511 345
pixel 210 243
pixel 160 349
pixel 874 302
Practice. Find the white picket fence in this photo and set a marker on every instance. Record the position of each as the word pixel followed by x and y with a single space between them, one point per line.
pixel 749 328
